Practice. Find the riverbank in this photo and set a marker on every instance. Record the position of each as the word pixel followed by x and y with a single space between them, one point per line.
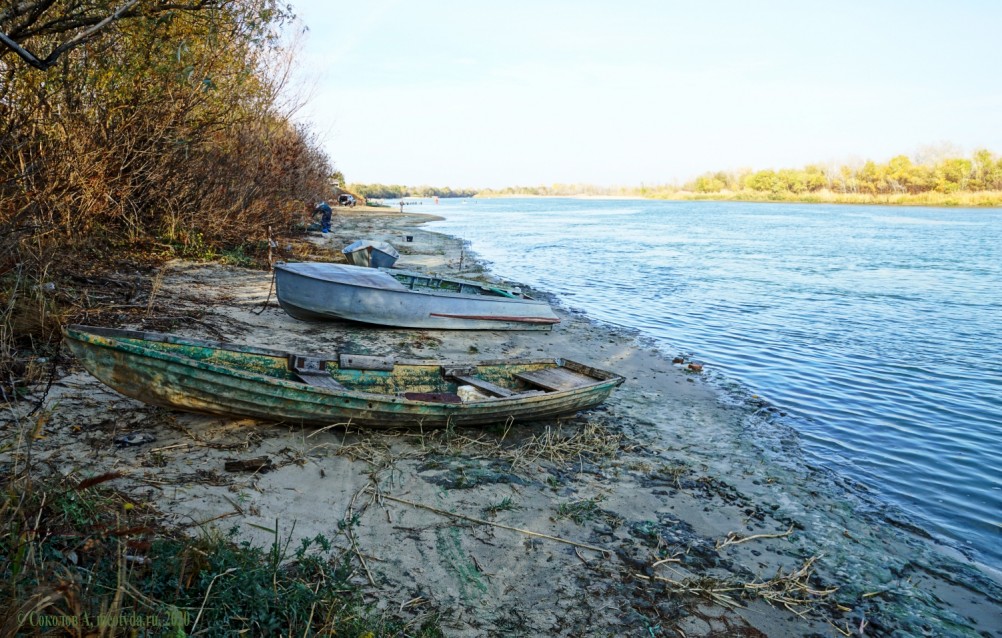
pixel 658 513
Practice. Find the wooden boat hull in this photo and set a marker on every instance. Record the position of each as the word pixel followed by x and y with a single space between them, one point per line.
pixel 239 381
pixel 315 292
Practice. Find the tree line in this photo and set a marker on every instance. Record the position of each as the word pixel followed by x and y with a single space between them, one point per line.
pixel 981 172
pixel 396 191
pixel 946 180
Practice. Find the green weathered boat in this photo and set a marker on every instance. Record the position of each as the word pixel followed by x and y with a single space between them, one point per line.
pixel 245 381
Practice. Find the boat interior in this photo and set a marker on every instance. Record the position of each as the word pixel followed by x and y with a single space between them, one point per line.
pixel 441 383
pixel 429 283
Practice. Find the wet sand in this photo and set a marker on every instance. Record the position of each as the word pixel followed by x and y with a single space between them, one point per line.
pixel 667 511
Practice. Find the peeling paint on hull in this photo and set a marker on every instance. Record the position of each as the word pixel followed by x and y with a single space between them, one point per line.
pixel 241 381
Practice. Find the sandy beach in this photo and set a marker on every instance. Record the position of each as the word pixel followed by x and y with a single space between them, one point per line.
pixel 667 511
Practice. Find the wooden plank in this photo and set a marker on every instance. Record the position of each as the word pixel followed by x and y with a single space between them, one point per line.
pixel 555 379
pixel 306 363
pixel 433 397
pixel 260 464
pixel 452 371
pixel 365 362
pixel 313 371
pixel 319 379
pixel 484 385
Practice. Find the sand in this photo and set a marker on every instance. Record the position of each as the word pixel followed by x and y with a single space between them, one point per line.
pixel 669 510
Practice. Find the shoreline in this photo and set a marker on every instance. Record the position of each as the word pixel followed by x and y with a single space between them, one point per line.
pixel 678 489
pixel 833 201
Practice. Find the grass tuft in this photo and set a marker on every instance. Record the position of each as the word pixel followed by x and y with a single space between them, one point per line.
pixel 504 505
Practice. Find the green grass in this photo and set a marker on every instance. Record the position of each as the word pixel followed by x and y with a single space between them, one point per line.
pixel 505 505
pixel 579 511
pixel 238 256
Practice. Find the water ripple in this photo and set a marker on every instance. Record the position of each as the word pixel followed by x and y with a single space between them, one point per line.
pixel 875 333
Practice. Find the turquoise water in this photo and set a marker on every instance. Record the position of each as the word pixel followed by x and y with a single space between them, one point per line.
pixel 874 330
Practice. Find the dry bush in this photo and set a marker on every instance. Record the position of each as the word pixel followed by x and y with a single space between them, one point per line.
pixel 171 137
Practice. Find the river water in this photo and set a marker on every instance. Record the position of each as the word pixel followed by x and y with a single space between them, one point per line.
pixel 875 331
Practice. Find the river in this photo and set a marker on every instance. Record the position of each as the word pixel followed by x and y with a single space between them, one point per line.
pixel 873 331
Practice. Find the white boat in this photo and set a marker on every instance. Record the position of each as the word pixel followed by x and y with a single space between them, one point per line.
pixel 389 297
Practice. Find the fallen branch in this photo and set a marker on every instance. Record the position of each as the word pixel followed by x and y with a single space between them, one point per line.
pixel 793 591
pixel 734 539
pixel 260 464
pixel 348 516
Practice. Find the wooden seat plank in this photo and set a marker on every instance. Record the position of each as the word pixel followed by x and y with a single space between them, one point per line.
pixel 555 379
pixel 318 379
pixel 433 397
pixel 313 371
pixel 484 385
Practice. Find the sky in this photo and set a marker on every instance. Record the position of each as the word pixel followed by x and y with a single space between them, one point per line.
pixel 487 94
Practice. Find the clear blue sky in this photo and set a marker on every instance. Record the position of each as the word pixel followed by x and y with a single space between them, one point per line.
pixel 489 94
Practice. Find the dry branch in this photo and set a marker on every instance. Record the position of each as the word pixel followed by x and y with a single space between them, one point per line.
pixel 734 539
pixel 793 591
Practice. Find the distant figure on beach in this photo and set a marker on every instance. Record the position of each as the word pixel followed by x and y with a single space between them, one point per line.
pixel 401 205
pixel 325 216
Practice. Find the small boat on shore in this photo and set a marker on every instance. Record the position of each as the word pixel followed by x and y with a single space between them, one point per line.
pixel 371 254
pixel 322 389
pixel 318 291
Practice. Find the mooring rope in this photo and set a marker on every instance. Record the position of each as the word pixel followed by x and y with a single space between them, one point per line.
pixel 268 298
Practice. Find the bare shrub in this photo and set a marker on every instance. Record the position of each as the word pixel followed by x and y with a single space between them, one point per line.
pixel 171 135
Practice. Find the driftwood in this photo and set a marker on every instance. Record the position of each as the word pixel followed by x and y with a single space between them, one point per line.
pixel 260 464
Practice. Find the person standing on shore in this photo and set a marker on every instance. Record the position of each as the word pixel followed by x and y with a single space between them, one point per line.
pixel 325 216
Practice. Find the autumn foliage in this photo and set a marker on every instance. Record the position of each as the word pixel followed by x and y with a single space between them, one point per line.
pixel 167 132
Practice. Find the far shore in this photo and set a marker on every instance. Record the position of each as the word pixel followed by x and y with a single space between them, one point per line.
pixel 984 199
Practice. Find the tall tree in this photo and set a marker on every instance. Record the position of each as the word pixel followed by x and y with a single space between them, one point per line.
pixel 59 26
